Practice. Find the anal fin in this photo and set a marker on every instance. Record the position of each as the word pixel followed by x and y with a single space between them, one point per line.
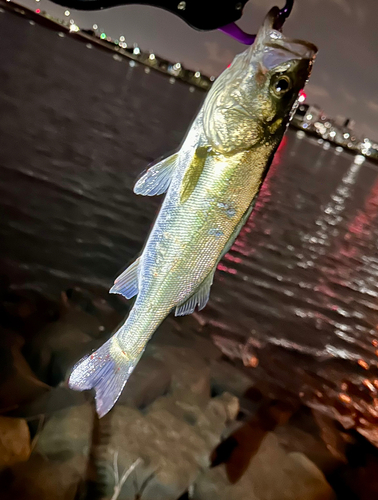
pixel 199 298
pixel 157 178
pixel 127 283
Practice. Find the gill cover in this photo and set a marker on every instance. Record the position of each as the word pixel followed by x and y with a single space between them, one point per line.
pixel 239 108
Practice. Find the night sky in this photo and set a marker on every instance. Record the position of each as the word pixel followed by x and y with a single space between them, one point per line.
pixel 345 77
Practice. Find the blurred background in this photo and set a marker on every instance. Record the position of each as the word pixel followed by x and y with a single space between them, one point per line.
pixel 271 391
pixel 345 80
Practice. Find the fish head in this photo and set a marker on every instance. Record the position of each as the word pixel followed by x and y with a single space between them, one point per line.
pixel 253 100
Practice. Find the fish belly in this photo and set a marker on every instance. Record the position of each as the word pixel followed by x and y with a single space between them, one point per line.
pixel 188 238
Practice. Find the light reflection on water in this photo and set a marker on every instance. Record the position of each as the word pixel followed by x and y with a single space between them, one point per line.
pixel 303 282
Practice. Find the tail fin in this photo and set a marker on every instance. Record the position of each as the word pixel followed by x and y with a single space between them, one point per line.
pixel 104 371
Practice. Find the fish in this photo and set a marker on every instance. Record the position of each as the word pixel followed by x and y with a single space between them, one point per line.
pixel 211 186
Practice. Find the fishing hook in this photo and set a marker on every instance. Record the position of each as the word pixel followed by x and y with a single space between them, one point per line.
pixel 241 36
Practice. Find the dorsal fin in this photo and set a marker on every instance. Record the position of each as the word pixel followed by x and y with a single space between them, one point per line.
pixel 157 178
pixel 127 283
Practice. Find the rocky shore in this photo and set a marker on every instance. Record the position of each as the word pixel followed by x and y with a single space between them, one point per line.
pixel 190 424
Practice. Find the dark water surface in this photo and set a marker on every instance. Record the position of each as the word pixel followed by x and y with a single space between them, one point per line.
pixel 297 296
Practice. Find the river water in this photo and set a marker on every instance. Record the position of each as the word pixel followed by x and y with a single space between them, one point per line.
pixel 296 298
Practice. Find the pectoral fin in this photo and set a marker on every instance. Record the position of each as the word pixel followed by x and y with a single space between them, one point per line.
pixel 127 283
pixel 193 173
pixel 200 297
pixel 157 178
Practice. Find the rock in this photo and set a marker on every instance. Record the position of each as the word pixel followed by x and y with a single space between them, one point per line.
pixel 309 481
pixel 58 465
pixel 242 444
pixel 171 445
pixel 227 377
pixel 41 479
pixel 272 474
pixel 220 412
pixel 93 313
pixel 26 311
pixel 56 349
pixel 150 379
pixel 185 332
pixel 14 441
pixel 190 372
pixel 171 451
pixel 67 433
pixel 318 438
pixel 18 384
pixel 58 398
pixel 83 321
pixel 332 434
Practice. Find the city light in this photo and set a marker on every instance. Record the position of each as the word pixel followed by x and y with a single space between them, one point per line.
pixel 320 128
pixel 359 159
pixel 302 96
pixel 338 131
pixel 365 146
pixel 175 70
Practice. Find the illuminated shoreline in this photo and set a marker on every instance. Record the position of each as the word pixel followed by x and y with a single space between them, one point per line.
pixel 196 81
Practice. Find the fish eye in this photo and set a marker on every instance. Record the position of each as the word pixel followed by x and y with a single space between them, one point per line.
pixel 281 85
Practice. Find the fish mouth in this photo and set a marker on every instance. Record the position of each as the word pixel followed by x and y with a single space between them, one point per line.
pixel 296 49
pixel 280 51
pixel 277 49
